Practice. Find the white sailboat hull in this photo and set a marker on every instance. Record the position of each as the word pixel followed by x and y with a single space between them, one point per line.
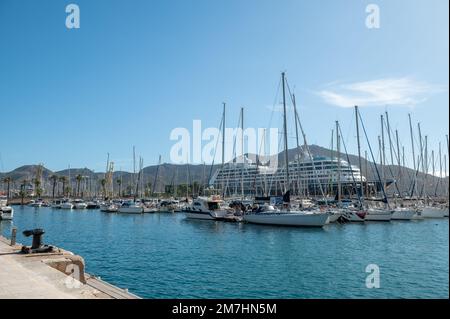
pixel 66 206
pixel 433 212
pixel 333 217
pixel 354 216
pixel 403 214
pixel 379 215
pixel 150 210
pixel 131 210
pixel 288 219
pixel 417 215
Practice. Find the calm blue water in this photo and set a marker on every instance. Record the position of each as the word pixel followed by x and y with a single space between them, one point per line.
pixel 167 256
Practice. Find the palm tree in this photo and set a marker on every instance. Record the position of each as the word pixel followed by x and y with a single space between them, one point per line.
pixel 119 183
pixel 22 191
pixel 103 183
pixel 54 178
pixel 7 181
pixel 37 187
pixel 63 180
pixel 78 178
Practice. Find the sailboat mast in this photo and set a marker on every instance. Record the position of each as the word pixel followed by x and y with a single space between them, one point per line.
pixel 426 154
pixel 134 164
pixel 421 161
pixel 448 150
pixel 359 148
pixel 338 153
pixel 286 160
pixel 382 154
pixel 155 180
pixel 440 162
pixel 421 148
pixel 330 174
pixel 391 152
pixel 412 142
pixel 298 144
pixel 242 152
pixel 380 146
pixel 400 171
pixel 223 148
pixel 433 171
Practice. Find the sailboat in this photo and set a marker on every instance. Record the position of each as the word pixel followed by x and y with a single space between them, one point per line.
pixel 428 210
pixel 398 213
pixel 287 217
pixel 350 214
pixel 373 214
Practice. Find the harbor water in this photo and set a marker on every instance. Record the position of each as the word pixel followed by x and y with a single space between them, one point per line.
pixel 164 255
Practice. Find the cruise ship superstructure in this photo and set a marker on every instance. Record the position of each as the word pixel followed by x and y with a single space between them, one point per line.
pixel 307 177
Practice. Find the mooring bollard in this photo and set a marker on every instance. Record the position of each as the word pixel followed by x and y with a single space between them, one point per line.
pixel 13 236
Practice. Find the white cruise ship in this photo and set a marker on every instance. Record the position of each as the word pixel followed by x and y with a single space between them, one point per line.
pixel 251 179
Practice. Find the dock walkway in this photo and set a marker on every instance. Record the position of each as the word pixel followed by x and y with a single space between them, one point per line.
pixel 25 276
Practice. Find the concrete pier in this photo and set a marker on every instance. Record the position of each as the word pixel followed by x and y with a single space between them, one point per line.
pixel 56 275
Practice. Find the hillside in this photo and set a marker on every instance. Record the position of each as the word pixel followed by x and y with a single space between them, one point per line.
pixel 179 174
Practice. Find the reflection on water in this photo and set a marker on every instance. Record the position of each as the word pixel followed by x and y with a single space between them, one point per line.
pixel 167 256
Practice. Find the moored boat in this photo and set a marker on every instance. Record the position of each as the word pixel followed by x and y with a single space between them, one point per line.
pixel 205 208
pixel 433 212
pixel 56 203
pixel 354 215
pixel 403 213
pixel 131 208
pixel 6 213
pixel 334 215
pixel 66 205
pixel 380 215
pixel 79 204
pixel 288 218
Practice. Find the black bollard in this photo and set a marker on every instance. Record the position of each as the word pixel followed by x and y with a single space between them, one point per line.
pixel 37 245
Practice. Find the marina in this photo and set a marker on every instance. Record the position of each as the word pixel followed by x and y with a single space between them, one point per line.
pixel 164 255
pixel 237 150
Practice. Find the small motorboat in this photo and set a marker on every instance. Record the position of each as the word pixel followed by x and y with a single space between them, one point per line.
pixel 6 213
pixel 131 208
pixel 79 204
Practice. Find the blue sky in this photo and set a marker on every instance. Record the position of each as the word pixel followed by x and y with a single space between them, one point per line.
pixel 137 69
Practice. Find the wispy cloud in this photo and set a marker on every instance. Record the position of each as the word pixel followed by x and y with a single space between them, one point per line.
pixel 404 91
